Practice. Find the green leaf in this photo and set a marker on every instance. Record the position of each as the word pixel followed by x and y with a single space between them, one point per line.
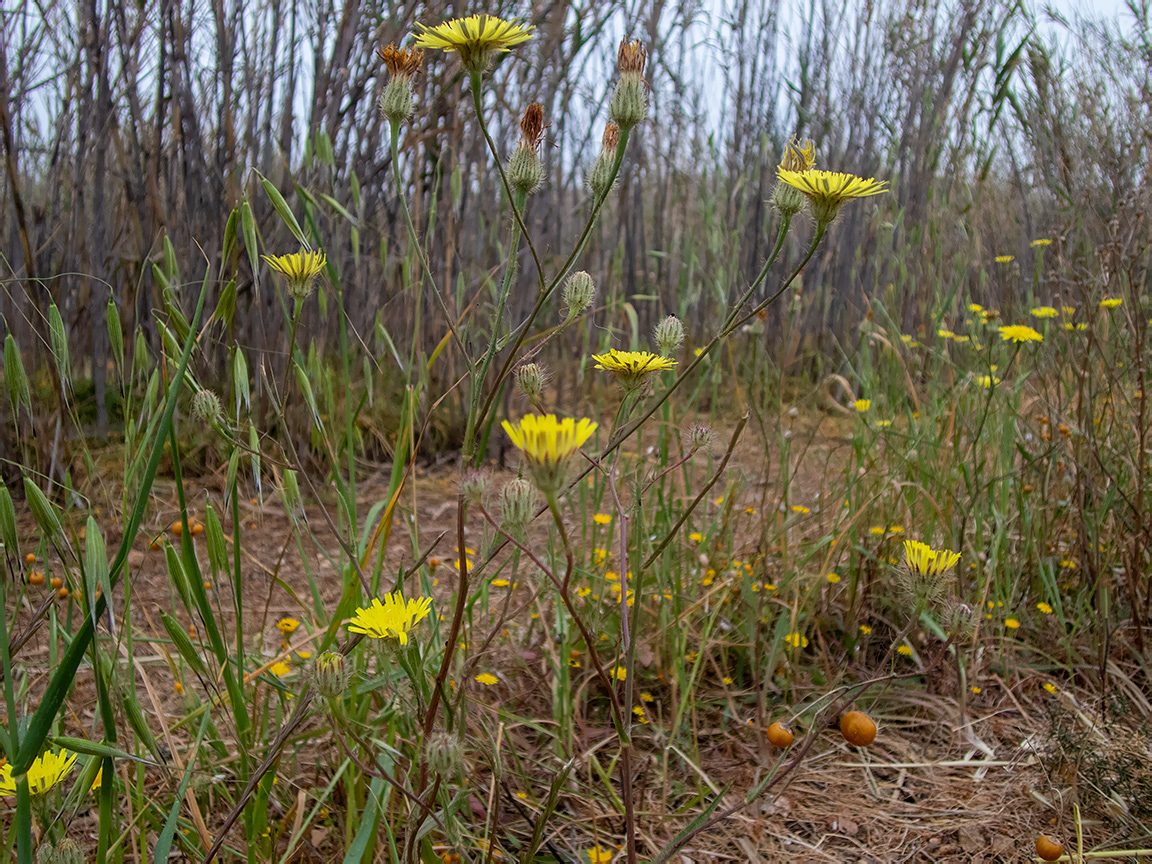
pixel 230 237
pixel 248 225
pixel 95 565
pixel 184 646
pixel 164 841
pixel 282 210
pixel 668 851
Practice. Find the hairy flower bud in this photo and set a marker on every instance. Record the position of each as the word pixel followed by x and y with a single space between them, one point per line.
pixel 798 156
pixel 442 752
pixel 518 501
pixel 396 100
pixel 530 380
pixel 473 485
pixel 629 105
pixel 330 675
pixel 700 437
pixel 579 292
pixel 600 175
pixel 206 407
pixel 525 171
pixel 669 335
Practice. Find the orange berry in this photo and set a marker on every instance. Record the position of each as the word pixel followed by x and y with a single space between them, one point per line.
pixel 56 582
pixel 1049 848
pixel 178 687
pixel 35 578
pixel 779 735
pixel 155 545
pixel 858 728
pixel 196 528
pixel 62 593
pixel 30 558
pixel 177 528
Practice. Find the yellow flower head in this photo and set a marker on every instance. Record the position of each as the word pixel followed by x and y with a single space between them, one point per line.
pixel 602 518
pixel 988 381
pixel 904 650
pixel 477 38
pixel 862 405
pixel 796 640
pixel 923 560
pixel 827 190
pixel 1019 333
pixel 547 444
pixel 487 679
pixel 1011 623
pixel 280 669
pixel 287 626
pixel 1111 302
pixel 1044 312
pixel 632 368
pixel 1044 607
pixel 48 770
pixel 1005 259
pixel 299 270
pixel 1041 242
pixel 393 618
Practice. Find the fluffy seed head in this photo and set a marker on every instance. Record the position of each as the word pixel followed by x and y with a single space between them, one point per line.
pixel 206 407
pixel 442 752
pixel 669 335
pixel 518 502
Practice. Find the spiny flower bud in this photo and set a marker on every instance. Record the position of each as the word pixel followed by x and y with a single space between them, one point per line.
pixel 525 171
pixel 442 752
pixel 473 485
pixel 330 675
pixel 700 437
pixel 579 292
pixel 396 101
pixel 206 407
pixel 669 335
pixel 798 156
pixel 629 105
pixel 958 620
pixel 518 501
pixel 601 172
pixel 530 379
pixel 67 851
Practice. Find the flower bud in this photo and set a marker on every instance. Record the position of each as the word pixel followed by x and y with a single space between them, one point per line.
pixel 67 851
pixel 396 102
pixel 206 407
pixel 629 105
pixel 518 502
pixel 330 675
pixel 579 292
pixel 530 380
pixel 525 171
pixel 601 172
pixel 473 485
pixel 700 437
pixel 798 156
pixel 669 335
pixel 442 752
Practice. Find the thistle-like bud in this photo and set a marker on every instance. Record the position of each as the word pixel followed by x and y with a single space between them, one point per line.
pixel 473 485
pixel 530 380
pixel 396 102
pixel 206 407
pixel 601 173
pixel 669 335
pixel 330 675
pixel 579 292
pixel 67 851
pixel 442 752
pixel 525 171
pixel 798 156
pixel 959 621
pixel 700 437
pixel 518 502
pixel 629 105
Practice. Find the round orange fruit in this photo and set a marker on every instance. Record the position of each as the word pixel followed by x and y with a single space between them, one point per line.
pixel 858 728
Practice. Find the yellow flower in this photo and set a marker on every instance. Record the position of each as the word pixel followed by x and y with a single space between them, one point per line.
pixel 647 697
pixel 945 334
pixel 926 561
pixel 862 405
pixel 800 508
pixel 976 690
pixel 726 680
pixel 987 381
pixel 895 529
pixel 878 530
pixel 548 444
pixel 599 556
pixel 904 650
pixel 48 770
pixel 395 617
pixel 975 307
pixel 833 578
pixel 299 270
pixel 280 669
pixel 597 855
pixel 1011 623
pixel 583 592
pixel 882 424
pixel 1069 310
pixel 1041 242
pixel 1045 608
pixel 796 640
pixel 640 714
pixel 618 672
pixel 865 629
pixel 1019 333
pixel 476 38
pixel 287 626
pixel 827 190
pixel 798 156
pixel 499 583
pixel 696 537
pixel 632 368
pixel 1111 302
pixel 486 679
pixel 1005 259
pixel 602 518
pixel 1050 687
pixel 1044 312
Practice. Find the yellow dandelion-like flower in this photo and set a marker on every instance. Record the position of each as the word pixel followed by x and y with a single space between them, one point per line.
pixel 1011 623
pixel 882 424
pixel 602 518
pixel 865 629
pixel 834 578
pixel 641 714
pixel 1111 302
pixel 547 444
pixel 1019 333
pixel 862 405
pixel 1051 688
pixel 477 38
pixel 280 669
pixel 1005 259
pixel 926 561
pixel 647 697
pixel 976 690
pixel 878 530
pixel 486 678
pixel 598 855
pixel 828 190
pixel 696 537
pixel 499 583
pixel 1044 312
pixel 393 618
pixel 945 334
pixel 618 672
pixel 796 640
pixel 798 156
pixel 599 556
pixel 44 773
pixel 299 270
pixel 987 381
pixel 632 368
pixel 975 307
pixel 287 626
pixel 904 650
pixel 1044 608
pixel 800 508
pixel 1043 241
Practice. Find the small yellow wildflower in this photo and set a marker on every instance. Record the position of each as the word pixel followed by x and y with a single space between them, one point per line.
pixel 583 592
pixel 547 444
pixel 833 578
pixel 1043 241
pixel 975 307
pixel 486 678
pixel 597 855
pixel 1050 687
pixel 619 673
pixel 395 617
pixel 299 270
pixel 1011 623
pixel 499 583
pixel 800 508
pixel 865 629
pixel 44 773
pixel 1044 312
pixel 862 405
pixel 647 697
pixel 976 690
pixel 1111 302
pixel 287 626
pixel 1044 608
pixel 696 537
pixel 796 640
pixel 599 555
pixel 726 680
pixel 476 38
pixel 904 650
pixel 1019 333
pixel 895 529
pixel 882 424
pixel 878 530
pixel 632 368
pixel 1005 259
pixel 945 334
pixel 988 381
pixel 602 518
pixel 641 715
pixel 280 669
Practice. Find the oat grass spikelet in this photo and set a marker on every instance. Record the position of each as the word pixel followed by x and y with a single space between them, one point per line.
pixel 47 771
pixel 394 618
pixel 477 38
pixel 632 368
pixel 827 190
pixel 299 270
pixel 547 444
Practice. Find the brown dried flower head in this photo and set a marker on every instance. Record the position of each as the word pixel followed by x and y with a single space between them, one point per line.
pixel 532 127
pixel 631 56
pixel 611 138
pixel 401 62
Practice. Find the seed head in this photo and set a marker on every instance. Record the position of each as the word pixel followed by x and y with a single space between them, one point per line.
pixel 530 379
pixel 206 407
pixel 629 105
pixel 669 335
pixel 396 100
pixel 700 437
pixel 601 171
pixel 579 293
pixel 331 675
